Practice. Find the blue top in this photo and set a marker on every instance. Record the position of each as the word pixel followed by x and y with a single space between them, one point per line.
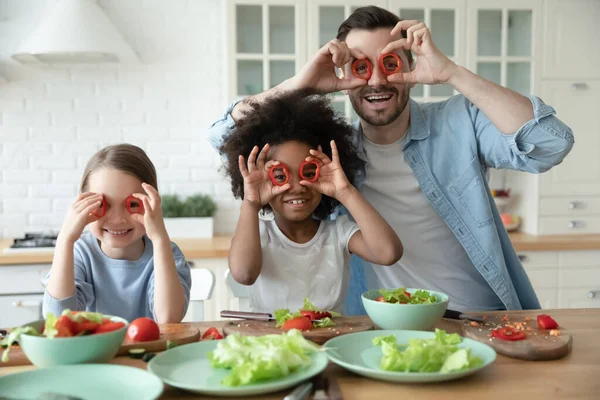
pixel 115 287
pixel 450 145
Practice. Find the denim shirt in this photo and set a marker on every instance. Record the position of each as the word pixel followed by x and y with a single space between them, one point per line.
pixel 450 145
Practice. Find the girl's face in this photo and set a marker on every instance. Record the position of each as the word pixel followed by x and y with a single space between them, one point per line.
pixel 298 202
pixel 116 229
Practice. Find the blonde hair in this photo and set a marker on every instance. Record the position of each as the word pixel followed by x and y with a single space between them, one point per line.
pixel 123 157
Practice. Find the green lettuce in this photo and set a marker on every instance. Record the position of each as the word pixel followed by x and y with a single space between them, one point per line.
pixel 398 296
pixel 13 337
pixel 258 358
pixel 439 354
pixel 308 306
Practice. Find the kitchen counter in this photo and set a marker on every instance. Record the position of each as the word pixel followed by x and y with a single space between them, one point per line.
pixel 218 247
pixel 575 376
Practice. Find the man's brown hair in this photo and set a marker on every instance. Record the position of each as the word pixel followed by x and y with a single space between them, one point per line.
pixel 370 18
pixel 123 157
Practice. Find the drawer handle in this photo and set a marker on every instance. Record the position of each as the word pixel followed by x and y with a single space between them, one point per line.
pixel 579 86
pixel 522 257
pixel 592 293
pixel 26 303
pixel 573 205
pixel 573 224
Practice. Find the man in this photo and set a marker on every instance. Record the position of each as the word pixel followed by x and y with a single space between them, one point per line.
pixel 425 164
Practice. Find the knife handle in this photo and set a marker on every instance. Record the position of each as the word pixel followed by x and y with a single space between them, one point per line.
pixel 246 315
pixel 453 314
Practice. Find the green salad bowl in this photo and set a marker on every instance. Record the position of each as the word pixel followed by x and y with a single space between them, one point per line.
pixel 417 317
pixel 48 352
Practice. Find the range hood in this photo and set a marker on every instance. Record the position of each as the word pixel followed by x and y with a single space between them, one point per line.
pixel 72 32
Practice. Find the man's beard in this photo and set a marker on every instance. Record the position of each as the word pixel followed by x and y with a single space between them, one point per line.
pixel 382 117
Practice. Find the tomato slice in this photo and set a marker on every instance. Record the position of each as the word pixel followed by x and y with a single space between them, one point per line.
pixel 315 315
pixel 509 334
pixel 85 326
pixel 100 211
pixel 279 175
pixel 302 323
pixel 109 327
pixel 212 333
pixel 134 205
pixel 64 326
pixel 546 322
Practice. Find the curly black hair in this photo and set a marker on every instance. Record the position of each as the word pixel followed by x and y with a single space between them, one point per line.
pixel 300 115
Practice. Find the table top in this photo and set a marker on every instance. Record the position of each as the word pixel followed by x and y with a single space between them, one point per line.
pixel 575 376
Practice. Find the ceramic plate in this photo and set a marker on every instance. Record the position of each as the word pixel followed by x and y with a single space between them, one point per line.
pixel 84 381
pixel 357 353
pixel 188 367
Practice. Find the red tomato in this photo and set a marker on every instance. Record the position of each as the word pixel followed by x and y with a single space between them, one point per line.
pixel 212 334
pixel 84 326
pixel 64 326
pixel 407 294
pixel 301 323
pixel 314 315
pixel 508 333
pixel 143 330
pixel 109 327
pixel 546 322
pixel 381 299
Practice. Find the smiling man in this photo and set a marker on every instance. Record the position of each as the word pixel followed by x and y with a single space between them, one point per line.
pixel 425 164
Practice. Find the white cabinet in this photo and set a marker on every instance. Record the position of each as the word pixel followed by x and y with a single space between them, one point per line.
pixel 564 279
pixel 21 293
pixel 571 39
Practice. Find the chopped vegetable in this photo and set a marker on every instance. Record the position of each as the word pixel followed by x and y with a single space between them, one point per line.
pixel 308 306
pixel 13 336
pixel 148 356
pixel 509 334
pixel 171 344
pixel 546 322
pixel 284 314
pixel 258 358
pixel 136 353
pixel 303 323
pixel 401 296
pixel 212 333
pixel 308 310
pixel 439 354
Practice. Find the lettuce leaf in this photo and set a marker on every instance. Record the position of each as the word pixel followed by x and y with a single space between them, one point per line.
pixel 14 336
pixel 398 296
pixel 283 314
pixel 258 358
pixel 439 354
pixel 308 306
pixel 325 322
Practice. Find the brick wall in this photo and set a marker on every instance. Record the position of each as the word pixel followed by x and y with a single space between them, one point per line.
pixel 53 119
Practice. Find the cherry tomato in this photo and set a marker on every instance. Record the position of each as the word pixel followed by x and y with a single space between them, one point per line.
pixel 301 323
pixel 314 315
pixel 135 205
pixel 100 211
pixel 109 327
pixel 309 171
pixel 508 333
pixel 143 330
pixel 212 334
pixel 279 175
pixel 381 299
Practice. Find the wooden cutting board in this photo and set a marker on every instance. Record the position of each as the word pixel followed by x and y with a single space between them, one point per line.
pixel 538 346
pixel 177 333
pixel 342 326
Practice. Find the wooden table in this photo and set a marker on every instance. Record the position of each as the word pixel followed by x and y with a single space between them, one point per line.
pixel 576 376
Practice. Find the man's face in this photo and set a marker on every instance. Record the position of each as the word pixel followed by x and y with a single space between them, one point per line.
pixel 378 103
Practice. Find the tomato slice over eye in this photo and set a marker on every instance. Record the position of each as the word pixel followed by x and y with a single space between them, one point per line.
pixel 309 171
pixel 390 63
pixel 279 175
pixel 362 69
pixel 100 211
pixel 134 205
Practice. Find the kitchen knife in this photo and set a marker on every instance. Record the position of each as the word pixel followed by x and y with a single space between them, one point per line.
pixel 251 315
pixel 453 314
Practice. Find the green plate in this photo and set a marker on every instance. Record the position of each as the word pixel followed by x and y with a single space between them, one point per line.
pixel 188 367
pixel 357 353
pixel 86 381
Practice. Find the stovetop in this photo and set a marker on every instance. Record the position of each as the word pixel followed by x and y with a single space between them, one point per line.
pixel 35 240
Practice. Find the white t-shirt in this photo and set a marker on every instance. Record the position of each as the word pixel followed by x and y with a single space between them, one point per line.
pixel 433 257
pixel 318 269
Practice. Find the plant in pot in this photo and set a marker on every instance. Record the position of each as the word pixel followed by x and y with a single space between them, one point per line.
pixel 189 218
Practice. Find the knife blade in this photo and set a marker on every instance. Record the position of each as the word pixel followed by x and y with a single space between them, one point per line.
pixel 252 315
pixel 453 314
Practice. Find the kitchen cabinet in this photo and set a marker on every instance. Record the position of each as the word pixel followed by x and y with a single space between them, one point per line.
pixel 21 293
pixel 564 279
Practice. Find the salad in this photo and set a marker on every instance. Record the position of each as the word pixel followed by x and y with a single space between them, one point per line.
pixel 305 319
pixel 68 324
pixel 401 296
pixel 257 358
pixel 439 354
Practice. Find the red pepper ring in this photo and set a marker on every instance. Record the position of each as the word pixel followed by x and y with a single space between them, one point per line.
pixel 102 208
pixel 390 63
pixel 133 208
pixel 275 175
pixel 362 69
pixel 317 170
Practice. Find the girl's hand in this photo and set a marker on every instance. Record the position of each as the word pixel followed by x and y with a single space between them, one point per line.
pixel 258 189
pixel 80 215
pixel 152 219
pixel 332 180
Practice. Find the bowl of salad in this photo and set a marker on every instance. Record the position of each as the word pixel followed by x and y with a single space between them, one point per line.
pixel 70 338
pixel 405 308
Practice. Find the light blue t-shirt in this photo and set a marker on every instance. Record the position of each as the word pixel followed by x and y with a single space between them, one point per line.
pixel 115 287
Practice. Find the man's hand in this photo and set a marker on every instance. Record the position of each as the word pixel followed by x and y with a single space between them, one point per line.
pixel 432 65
